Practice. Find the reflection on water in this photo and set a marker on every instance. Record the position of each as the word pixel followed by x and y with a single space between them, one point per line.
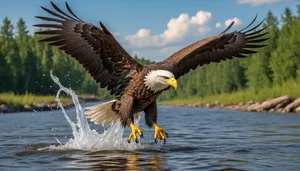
pixel 128 161
pixel 111 160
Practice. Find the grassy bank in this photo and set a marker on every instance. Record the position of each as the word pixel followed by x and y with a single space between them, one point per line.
pixel 290 88
pixel 18 101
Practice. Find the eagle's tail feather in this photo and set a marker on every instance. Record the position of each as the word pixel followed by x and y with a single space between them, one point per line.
pixel 103 113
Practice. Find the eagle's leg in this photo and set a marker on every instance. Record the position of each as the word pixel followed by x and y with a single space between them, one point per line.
pixel 151 120
pixel 126 113
pixel 134 131
pixel 159 133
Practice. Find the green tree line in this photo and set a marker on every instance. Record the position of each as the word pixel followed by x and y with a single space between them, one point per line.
pixel 25 64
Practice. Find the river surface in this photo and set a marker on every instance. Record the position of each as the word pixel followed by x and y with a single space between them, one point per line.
pixel 199 139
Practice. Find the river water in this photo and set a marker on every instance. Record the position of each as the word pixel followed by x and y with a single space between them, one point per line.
pixel 199 139
pixel 207 139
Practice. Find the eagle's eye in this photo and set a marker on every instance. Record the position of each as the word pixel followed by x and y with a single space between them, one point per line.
pixel 165 77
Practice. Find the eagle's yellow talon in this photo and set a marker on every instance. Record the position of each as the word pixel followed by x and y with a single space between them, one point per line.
pixel 159 133
pixel 134 131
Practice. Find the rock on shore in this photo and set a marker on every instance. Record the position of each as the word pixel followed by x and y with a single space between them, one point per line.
pixel 283 104
pixel 43 106
pixel 36 107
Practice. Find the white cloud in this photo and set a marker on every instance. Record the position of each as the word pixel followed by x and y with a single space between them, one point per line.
pixel 180 32
pixel 177 29
pixel 260 2
pixel 201 17
pixel 236 20
pixel 143 32
pixel 144 38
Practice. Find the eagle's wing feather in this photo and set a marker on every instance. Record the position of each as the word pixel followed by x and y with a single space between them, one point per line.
pixel 215 49
pixel 95 48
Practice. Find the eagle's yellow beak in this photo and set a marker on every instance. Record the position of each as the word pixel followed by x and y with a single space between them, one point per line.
pixel 172 82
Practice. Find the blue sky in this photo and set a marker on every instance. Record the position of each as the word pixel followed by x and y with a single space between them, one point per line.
pixel 154 29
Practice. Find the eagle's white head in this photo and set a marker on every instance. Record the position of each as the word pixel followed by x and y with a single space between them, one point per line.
pixel 158 80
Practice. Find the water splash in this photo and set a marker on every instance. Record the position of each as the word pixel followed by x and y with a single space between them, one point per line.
pixel 86 139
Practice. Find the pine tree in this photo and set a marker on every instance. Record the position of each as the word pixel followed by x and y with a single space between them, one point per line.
pixel 8 49
pixel 258 72
pixel 284 58
pixel 23 65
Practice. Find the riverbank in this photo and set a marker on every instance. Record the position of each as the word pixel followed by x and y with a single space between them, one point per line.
pixel 282 104
pixel 248 99
pixel 10 103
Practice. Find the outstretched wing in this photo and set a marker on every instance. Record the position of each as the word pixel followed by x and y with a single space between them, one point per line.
pixel 214 49
pixel 95 48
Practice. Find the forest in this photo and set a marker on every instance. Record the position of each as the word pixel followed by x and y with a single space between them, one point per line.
pixel 25 64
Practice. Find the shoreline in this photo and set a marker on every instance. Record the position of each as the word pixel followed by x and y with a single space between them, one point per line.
pixel 282 104
pixel 44 106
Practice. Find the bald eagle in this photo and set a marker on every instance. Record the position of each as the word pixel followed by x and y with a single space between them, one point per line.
pixel 136 87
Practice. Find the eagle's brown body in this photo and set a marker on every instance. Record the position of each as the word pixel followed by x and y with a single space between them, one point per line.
pixel 142 96
pixel 113 68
